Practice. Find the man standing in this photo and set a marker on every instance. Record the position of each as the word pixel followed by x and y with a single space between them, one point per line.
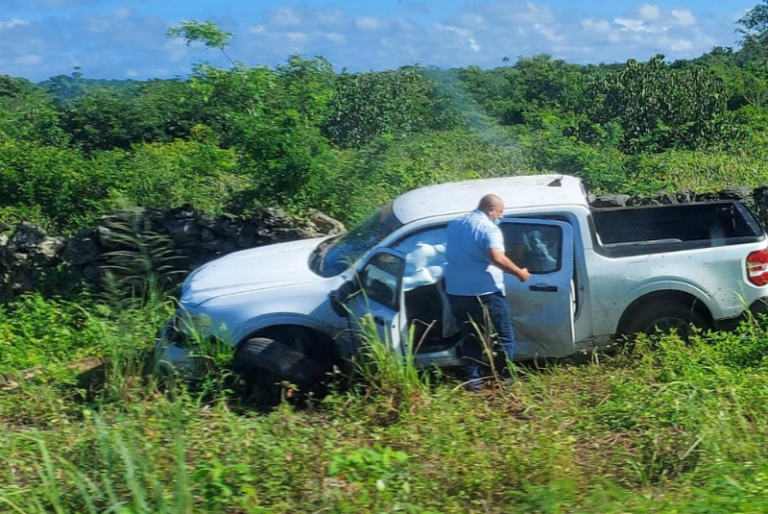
pixel 474 281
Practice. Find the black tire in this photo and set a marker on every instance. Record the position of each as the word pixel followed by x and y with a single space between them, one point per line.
pixel 265 364
pixel 664 316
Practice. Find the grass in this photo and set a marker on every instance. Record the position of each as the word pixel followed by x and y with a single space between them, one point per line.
pixel 663 427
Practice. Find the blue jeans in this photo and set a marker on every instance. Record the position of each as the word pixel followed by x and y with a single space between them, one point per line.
pixel 466 308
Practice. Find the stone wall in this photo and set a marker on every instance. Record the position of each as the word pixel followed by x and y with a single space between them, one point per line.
pixel 756 199
pixel 31 259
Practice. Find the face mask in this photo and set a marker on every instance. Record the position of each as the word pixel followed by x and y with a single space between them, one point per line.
pixel 497 222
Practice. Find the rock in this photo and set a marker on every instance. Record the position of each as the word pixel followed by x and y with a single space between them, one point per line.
pixel 21 280
pixel 760 197
pixel 220 246
pixel 16 259
pixel 200 256
pixel 207 235
pixel 82 249
pixel 47 252
pixel 207 221
pixel 222 224
pixel 247 236
pixel 230 228
pixel 325 224
pixel 686 196
pixel 735 193
pixel 26 237
pixel 663 198
pixel 282 235
pixel 182 230
pixel 611 201
pixel 184 212
pixel 94 272
pixel 706 197
pixel 106 238
pixel 273 217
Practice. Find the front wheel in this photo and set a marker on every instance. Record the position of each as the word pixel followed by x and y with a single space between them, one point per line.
pixel 667 317
pixel 266 365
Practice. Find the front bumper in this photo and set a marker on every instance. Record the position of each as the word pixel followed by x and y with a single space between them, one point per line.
pixel 174 354
pixel 757 310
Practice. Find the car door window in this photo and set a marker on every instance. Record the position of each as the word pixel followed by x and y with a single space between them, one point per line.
pixel 534 246
pixel 381 279
pixel 424 257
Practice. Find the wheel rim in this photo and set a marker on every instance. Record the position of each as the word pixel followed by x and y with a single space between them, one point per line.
pixel 669 323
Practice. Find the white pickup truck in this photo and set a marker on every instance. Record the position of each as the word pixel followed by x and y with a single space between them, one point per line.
pixel 288 308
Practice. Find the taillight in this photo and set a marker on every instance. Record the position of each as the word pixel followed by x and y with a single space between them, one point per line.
pixel 757 267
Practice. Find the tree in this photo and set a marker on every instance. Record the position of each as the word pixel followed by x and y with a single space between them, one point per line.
pixel 754 25
pixel 27 113
pixel 367 105
pixel 659 107
pixel 206 32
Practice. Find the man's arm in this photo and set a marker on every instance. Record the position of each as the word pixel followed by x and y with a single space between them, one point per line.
pixel 505 263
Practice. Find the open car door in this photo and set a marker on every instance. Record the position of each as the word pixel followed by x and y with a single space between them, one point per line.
pixel 542 311
pixel 380 294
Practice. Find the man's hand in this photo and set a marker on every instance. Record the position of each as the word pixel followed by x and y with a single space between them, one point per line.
pixel 505 263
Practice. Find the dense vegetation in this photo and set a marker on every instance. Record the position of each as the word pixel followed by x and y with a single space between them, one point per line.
pixel 302 135
pixel 661 426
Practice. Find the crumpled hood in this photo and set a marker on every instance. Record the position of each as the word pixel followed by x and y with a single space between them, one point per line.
pixel 272 266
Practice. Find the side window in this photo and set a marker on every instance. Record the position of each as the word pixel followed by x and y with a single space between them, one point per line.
pixel 534 246
pixel 381 277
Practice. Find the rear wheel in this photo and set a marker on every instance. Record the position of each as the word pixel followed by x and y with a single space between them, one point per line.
pixel 666 316
pixel 268 366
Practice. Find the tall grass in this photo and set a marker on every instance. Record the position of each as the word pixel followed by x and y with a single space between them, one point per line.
pixel 388 373
pixel 663 426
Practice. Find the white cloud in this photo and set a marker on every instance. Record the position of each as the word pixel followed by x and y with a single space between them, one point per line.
pixel 680 45
pixel 591 25
pixel 463 33
pixel 285 17
pixel 505 27
pixel 633 25
pixel 369 23
pixel 549 33
pixel 110 41
pixel 335 37
pixel 650 12
pixel 684 17
pixel 15 22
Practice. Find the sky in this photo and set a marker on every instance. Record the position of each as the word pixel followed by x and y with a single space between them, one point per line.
pixel 126 39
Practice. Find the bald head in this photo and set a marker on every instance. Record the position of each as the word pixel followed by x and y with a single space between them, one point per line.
pixel 490 202
pixel 492 206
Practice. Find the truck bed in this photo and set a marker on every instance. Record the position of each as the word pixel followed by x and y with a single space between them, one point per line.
pixel 631 231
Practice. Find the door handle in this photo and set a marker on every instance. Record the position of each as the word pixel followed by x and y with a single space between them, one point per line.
pixel 544 289
pixel 378 320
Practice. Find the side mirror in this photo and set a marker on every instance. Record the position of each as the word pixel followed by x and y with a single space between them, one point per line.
pixel 341 295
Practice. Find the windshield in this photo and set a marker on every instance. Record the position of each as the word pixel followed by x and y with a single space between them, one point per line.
pixel 333 256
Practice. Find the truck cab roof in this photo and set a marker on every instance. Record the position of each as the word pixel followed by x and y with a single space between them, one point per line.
pixel 517 192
